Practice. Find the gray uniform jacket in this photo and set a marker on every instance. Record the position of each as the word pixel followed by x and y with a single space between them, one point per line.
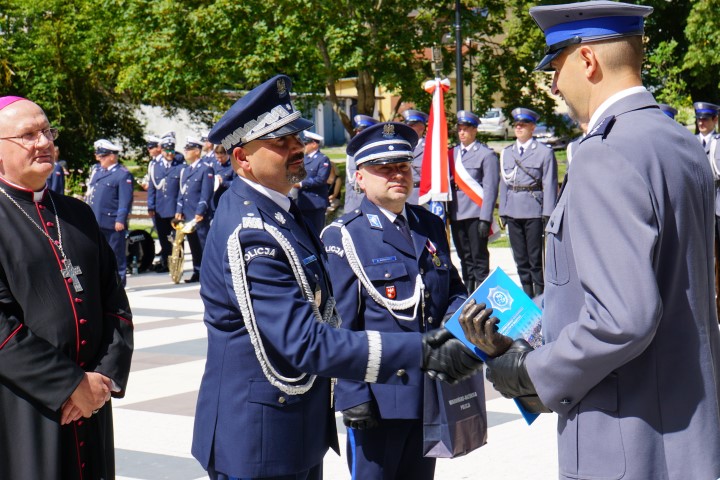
pixel 481 164
pixel 712 149
pixel 417 171
pixel 353 199
pixel 632 353
pixel 539 161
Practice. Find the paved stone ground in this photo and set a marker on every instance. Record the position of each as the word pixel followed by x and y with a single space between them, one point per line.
pixel 153 423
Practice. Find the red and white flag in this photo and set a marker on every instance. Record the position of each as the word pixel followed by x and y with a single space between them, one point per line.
pixel 435 174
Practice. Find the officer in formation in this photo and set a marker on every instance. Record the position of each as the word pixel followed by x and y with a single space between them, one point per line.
pixel 528 191
pixel 264 408
pixel 56 180
pixel 706 116
pixel 631 342
pixel 474 185
pixel 391 261
pixel 110 195
pixel 312 192
pixel 163 188
pixel 353 194
pixel 167 140
pixel 416 120
pixel 224 173
pixel 194 201
pixel 208 151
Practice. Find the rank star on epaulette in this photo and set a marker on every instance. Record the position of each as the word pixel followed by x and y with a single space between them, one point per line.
pixel 280 218
pixel 389 130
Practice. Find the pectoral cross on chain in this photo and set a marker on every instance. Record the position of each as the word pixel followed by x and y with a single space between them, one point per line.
pixel 72 273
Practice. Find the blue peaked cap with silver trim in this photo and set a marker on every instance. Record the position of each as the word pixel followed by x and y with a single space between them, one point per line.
pixel 582 22
pixel 382 143
pixel 705 109
pixel 525 115
pixel 412 116
pixel 363 121
pixel 465 117
pixel 264 112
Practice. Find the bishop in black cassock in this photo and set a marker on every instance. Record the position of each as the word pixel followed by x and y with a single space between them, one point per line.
pixel 53 329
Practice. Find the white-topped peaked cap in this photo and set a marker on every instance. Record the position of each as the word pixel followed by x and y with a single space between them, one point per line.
pixel 103 146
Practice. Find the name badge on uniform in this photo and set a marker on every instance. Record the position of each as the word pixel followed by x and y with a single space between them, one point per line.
pixel 375 261
pixel 310 259
pixel 390 292
pixel 374 221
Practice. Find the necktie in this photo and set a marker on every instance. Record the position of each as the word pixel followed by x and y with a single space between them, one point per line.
pixel 522 150
pixel 704 143
pixel 402 225
pixel 463 151
pixel 295 211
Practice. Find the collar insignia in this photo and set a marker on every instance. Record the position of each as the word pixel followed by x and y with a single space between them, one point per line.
pixel 374 221
pixel 279 216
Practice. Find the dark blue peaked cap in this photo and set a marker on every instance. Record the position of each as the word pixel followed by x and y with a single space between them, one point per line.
pixel 264 112
pixel 524 115
pixel 582 22
pixel 465 117
pixel 382 143
pixel 705 109
pixel 363 121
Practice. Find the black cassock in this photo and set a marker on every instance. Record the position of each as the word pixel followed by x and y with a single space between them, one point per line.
pixel 50 335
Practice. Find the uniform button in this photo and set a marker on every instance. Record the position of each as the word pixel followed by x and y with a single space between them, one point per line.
pixel 427 294
pixel 281 400
pixel 83 321
pixel 387 275
pixel 552 223
pixel 430 320
pixel 83 465
pixel 317 277
pixel 400 372
pixel 246 202
pixel 41 206
pixel 82 364
pixel 78 300
pixel 79 423
pixel 565 401
pixel 82 444
pixel 49 224
pixel 250 214
pixel 422 271
pixel 83 342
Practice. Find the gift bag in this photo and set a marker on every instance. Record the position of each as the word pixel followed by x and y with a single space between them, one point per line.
pixel 454 417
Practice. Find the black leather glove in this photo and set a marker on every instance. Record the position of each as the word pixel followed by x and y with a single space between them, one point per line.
pixel 361 417
pixel 509 376
pixel 447 358
pixel 483 229
pixel 481 329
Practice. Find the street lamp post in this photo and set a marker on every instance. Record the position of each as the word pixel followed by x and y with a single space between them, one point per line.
pixel 458 58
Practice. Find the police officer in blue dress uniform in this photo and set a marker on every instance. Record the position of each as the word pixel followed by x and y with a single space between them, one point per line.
pixel 264 408
pixel 474 186
pixel 56 180
pixel 390 283
pixel 110 195
pixel 416 120
pixel 224 173
pixel 353 194
pixel 631 342
pixel 706 116
pixel 197 183
pixel 312 192
pixel 528 191
pixel 163 190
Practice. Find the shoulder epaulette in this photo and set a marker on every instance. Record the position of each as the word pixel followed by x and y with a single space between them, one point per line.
pixel 601 129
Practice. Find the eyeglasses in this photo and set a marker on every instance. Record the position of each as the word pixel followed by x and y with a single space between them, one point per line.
pixel 31 138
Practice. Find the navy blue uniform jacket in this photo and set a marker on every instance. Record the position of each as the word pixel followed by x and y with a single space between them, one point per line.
pixel 390 262
pixel 245 424
pixel 112 196
pixel 164 187
pixel 314 192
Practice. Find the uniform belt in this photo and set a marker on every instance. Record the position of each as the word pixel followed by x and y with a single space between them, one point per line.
pixel 526 188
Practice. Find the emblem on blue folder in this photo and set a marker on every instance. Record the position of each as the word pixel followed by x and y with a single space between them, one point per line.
pixel 500 299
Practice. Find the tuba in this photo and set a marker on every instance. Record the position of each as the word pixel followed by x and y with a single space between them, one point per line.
pixel 177 259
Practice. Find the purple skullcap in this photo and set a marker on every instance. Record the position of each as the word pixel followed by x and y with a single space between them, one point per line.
pixel 5 101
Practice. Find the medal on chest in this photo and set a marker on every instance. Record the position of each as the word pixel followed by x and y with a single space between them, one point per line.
pixel 433 251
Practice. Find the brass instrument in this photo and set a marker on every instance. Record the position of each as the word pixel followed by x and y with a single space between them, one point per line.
pixel 177 259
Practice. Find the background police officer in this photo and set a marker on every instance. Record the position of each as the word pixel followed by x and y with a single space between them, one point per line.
pixel 706 116
pixel 474 191
pixel 56 180
pixel 163 188
pixel 380 270
pixel 528 190
pixel 269 310
pixel 197 182
pixel 353 194
pixel 416 120
pixel 312 193
pixel 110 195
pixel 224 173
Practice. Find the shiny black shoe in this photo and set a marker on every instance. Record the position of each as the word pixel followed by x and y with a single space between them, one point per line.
pixel 194 279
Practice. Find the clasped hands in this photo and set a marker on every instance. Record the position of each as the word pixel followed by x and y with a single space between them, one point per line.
pixel 90 395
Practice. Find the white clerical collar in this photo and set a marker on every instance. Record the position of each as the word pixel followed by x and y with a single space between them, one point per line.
pixel 392 216
pixel 282 201
pixel 37 196
pixel 610 101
